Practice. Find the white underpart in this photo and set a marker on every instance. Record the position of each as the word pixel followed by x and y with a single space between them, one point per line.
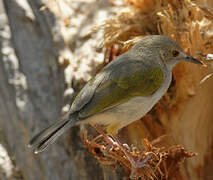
pixel 132 110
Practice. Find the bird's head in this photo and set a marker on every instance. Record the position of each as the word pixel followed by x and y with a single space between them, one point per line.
pixel 168 50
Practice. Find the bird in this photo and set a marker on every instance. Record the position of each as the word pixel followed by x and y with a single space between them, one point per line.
pixel 125 90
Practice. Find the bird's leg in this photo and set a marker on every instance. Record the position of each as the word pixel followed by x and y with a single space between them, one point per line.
pixel 114 141
pixel 135 164
pixel 108 139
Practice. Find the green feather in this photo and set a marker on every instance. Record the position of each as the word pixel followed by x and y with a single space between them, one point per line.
pixel 120 86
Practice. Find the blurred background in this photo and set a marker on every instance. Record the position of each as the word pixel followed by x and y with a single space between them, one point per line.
pixel 50 49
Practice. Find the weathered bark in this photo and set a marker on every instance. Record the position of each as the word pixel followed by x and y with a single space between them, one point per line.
pixel 37 43
pixel 2 176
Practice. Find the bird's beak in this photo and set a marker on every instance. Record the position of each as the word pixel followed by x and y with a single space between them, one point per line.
pixel 188 58
pixel 193 60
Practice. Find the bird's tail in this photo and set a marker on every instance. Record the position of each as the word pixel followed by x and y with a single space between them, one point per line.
pixel 49 135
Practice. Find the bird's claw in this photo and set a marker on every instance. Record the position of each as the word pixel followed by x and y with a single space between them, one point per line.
pixel 139 164
pixel 126 146
pixel 142 163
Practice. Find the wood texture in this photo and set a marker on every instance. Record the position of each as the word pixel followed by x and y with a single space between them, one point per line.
pixel 37 42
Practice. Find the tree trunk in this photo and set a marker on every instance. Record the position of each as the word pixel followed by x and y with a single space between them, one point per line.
pixel 35 100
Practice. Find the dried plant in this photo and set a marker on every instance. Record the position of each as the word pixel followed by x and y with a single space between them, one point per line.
pixel 187 22
pixel 160 163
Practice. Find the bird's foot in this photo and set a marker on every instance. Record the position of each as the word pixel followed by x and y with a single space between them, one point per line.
pixel 142 163
pixel 114 142
pixel 139 164
pixel 110 145
pixel 134 164
pixel 110 142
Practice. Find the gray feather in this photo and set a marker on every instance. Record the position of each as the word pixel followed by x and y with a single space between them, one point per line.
pixel 49 135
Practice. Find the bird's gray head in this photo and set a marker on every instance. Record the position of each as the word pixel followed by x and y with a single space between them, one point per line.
pixel 168 50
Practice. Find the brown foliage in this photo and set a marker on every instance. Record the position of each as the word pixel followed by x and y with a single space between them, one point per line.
pixel 159 162
pixel 187 22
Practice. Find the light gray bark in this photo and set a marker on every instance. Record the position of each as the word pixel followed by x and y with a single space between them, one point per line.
pixel 37 43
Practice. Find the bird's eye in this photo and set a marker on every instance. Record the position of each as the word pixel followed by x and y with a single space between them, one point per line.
pixel 175 53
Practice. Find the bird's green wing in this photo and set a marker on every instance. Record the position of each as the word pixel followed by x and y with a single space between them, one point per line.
pixel 117 84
